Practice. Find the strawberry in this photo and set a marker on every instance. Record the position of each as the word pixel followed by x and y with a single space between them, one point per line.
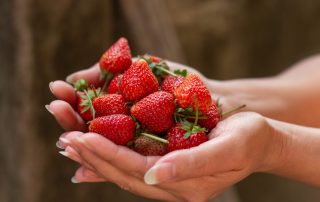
pixel 149 147
pixel 84 103
pixel 213 117
pixel 191 90
pixel 171 83
pixel 85 114
pixel 138 81
pixel 177 139
pixel 155 59
pixel 114 84
pixel 118 128
pixel 117 58
pixel 155 111
pixel 109 104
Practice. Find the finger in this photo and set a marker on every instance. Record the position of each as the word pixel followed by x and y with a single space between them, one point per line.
pixel 65 115
pixel 63 91
pixel 123 180
pixel 64 139
pixel 119 156
pixel 208 158
pixel 71 154
pixel 91 75
pixel 84 174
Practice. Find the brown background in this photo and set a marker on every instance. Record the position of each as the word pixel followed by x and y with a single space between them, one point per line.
pixel 41 41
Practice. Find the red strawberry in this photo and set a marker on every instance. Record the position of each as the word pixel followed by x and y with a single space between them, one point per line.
pixel 177 140
pixel 213 117
pixel 149 147
pixel 109 104
pixel 171 83
pixel 118 128
pixel 155 111
pixel 84 106
pixel 138 81
pixel 117 58
pixel 155 59
pixel 114 84
pixel 191 88
pixel 85 114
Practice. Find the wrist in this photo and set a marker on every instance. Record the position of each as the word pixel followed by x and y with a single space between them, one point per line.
pixel 276 154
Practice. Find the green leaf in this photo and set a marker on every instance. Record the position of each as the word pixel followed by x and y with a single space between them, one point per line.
pixel 85 109
pixel 183 72
pixel 187 135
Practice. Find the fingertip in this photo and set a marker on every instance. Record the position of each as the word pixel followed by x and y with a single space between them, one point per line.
pixel 63 91
pixel 160 173
pixel 91 75
pixel 83 174
pixel 66 116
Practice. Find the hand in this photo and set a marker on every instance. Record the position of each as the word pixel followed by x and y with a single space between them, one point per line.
pixel 238 146
pixel 93 172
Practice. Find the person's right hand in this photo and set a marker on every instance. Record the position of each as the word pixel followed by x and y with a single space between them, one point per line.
pixel 240 145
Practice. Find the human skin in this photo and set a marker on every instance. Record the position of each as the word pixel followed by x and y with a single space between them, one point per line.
pixel 240 145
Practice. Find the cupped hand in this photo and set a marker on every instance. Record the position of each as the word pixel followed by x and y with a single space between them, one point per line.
pixel 238 146
pixel 165 178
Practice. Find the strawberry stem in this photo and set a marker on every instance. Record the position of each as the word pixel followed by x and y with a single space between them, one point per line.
pixel 107 76
pixel 155 138
pixel 192 117
pixel 93 112
pixel 223 114
pixel 165 70
pixel 94 91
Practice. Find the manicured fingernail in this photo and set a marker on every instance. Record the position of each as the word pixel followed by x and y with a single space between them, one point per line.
pixel 64 140
pixel 59 145
pixel 64 153
pixel 50 86
pixel 70 78
pixel 49 110
pixel 160 173
pixel 74 180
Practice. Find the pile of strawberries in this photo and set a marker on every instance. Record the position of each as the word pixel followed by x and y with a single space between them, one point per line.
pixel 144 105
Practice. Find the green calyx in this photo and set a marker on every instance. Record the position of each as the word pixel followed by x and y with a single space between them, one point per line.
pixel 88 96
pixel 191 128
pixel 159 69
pixel 81 85
pixel 183 72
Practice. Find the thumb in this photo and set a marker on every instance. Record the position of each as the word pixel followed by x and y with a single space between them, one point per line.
pixel 206 159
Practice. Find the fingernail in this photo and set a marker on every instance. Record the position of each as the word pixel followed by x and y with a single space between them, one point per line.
pixel 64 153
pixel 70 78
pixel 59 145
pixel 50 86
pixel 64 140
pixel 74 180
pixel 49 110
pixel 160 173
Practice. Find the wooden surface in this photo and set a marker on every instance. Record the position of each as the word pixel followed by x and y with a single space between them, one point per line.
pixel 41 41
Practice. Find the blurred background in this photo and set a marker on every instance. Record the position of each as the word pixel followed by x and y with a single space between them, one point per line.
pixel 42 41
